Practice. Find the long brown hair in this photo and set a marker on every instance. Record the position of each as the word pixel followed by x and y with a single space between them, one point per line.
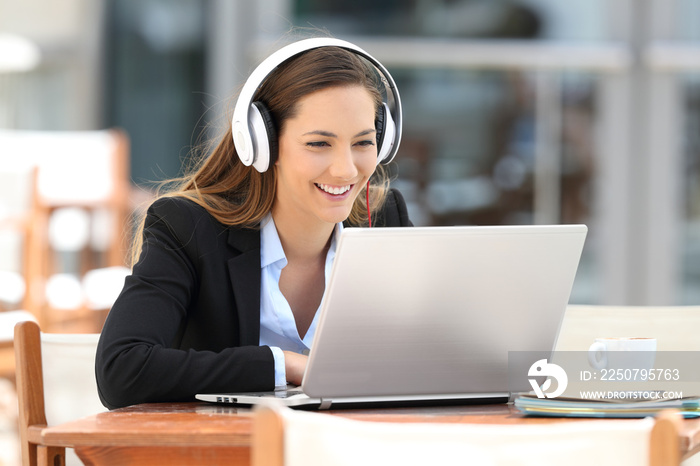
pixel 239 195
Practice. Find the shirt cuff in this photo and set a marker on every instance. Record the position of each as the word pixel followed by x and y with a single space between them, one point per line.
pixel 280 371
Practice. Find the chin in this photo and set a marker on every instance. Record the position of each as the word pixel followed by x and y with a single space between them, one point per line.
pixel 335 217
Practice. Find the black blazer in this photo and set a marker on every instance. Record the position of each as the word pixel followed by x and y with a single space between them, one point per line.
pixel 188 318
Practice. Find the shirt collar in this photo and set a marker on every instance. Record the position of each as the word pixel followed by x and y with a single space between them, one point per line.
pixel 271 247
pixel 334 243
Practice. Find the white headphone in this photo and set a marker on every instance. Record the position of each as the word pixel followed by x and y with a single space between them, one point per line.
pixel 254 135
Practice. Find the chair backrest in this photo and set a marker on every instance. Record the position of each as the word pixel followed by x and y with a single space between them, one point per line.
pixel 283 437
pixel 17 200
pixel 55 381
pixel 81 209
pixel 8 320
pixel 76 167
pixel 674 327
pixel 70 389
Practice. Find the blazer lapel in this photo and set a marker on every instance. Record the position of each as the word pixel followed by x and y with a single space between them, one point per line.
pixel 244 269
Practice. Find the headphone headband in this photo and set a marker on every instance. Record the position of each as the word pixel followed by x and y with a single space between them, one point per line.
pixel 247 122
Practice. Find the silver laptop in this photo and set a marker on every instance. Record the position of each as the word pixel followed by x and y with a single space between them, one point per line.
pixel 428 315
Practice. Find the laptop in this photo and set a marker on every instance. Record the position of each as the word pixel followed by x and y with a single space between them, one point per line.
pixel 428 315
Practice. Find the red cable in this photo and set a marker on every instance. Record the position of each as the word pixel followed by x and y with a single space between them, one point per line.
pixel 369 216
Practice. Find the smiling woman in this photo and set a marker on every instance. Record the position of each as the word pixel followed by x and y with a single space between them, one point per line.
pixel 230 265
pixel 327 155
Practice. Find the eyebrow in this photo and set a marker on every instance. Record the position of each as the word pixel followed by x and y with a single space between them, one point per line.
pixel 328 134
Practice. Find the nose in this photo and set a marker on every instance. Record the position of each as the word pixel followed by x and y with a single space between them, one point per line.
pixel 343 165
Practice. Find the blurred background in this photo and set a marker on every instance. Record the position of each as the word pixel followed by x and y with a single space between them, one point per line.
pixel 515 112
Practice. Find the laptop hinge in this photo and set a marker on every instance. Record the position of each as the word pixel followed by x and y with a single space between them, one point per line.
pixel 325 404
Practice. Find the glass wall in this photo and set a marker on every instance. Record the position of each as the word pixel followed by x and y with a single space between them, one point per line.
pixel 469 152
pixel 488 145
pixel 691 190
pixel 530 111
pixel 614 147
pixel 154 79
pixel 686 36
pixel 421 18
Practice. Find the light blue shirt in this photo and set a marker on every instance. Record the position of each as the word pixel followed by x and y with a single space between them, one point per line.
pixel 278 329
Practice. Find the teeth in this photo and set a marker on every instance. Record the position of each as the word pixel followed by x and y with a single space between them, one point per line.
pixel 334 189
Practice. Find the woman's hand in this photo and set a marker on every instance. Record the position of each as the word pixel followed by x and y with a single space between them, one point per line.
pixel 294 365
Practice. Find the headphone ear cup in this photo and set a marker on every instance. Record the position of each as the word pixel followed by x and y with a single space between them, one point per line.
pixel 264 132
pixel 386 132
pixel 379 127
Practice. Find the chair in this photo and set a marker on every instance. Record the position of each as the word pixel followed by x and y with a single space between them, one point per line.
pixel 17 259
pixel 8 320
pixel 55 384
pixel 283 437
pixel 79 217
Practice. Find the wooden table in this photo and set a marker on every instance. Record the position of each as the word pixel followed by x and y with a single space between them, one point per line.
pixel 202 433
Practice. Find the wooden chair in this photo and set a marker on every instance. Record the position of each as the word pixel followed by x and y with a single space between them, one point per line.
pixel 55 384
pixel 84 173
pixel 283 437
pixel 17 259
pixel 18 262
pixel 8 320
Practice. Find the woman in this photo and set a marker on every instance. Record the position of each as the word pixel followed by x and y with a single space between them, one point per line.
pixel 230 266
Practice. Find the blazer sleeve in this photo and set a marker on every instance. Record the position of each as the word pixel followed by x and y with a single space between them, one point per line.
pixel 139 356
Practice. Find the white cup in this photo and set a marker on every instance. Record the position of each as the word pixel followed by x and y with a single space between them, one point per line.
pixel 634 353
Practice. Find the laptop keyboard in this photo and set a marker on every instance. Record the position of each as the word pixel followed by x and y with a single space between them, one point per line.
pixel 282 393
